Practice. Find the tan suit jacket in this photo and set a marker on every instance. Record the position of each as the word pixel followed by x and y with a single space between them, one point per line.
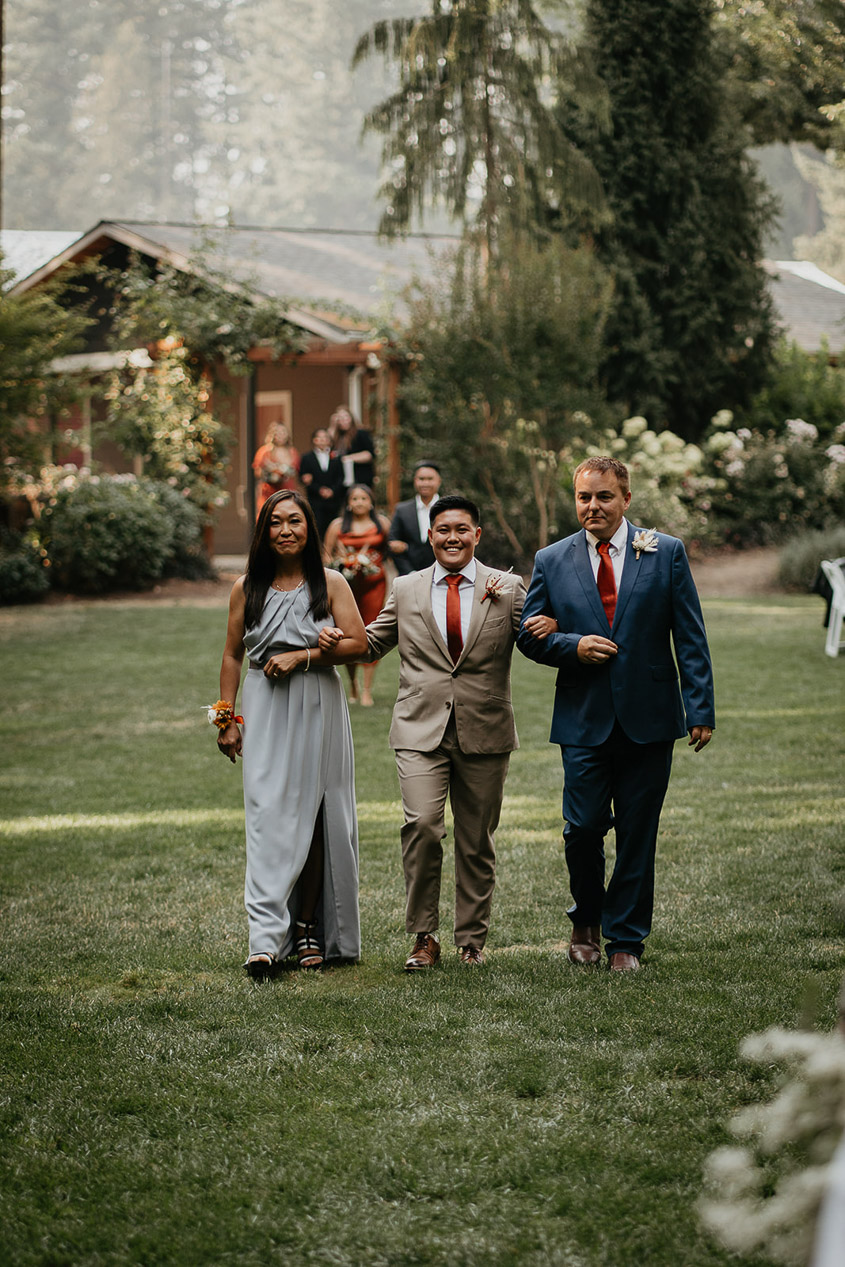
pixel 431 688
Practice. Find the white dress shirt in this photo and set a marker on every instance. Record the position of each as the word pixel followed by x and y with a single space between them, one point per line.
pixel 616 553
pixel 323 458
pixel 466 591
pixel 422 516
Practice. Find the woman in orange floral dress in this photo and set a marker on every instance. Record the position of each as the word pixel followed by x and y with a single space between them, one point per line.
pixel 276 464
pixel 356 544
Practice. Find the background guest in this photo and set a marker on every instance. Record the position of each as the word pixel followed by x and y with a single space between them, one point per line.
pixel 355 448
pixel 355 544
pixel 275 464
pixel 409 542
pixel 321 476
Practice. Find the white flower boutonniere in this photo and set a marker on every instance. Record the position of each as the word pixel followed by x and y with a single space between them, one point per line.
pixel 493 588
pixel 645 542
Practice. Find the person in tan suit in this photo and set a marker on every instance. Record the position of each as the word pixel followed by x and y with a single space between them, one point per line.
pixel 453 731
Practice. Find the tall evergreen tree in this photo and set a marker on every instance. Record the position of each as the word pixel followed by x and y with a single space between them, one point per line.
pixel 470 124
pixel 690 329
pixel 110 109
pixel 503 375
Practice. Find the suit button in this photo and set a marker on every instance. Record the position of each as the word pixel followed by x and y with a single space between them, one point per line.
pixel 448 703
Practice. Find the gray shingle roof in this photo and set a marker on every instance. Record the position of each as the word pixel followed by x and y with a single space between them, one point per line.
pixel 810 305
pixel 348 279
pixel 319 270
pixel 320 266
pixel 25 250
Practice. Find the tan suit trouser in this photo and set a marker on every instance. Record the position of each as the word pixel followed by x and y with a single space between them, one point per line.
pixel 475 785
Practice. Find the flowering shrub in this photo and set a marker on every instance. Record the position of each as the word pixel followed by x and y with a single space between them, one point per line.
pixel 23 577
pixel 670 487
pixel 739 487
pixel 162 415
pixel 802 385
pixel 770 485
pixel 39 490
pixel 186 555
pixel 765 1196
pixel 105 533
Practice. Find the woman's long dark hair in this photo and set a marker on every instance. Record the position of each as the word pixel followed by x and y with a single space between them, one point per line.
pixel 342 440
pixel 346 521
pixel 261 564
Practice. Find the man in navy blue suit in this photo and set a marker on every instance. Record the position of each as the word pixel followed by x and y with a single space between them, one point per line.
pixel 605 606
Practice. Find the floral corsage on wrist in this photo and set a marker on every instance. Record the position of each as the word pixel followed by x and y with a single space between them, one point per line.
pixel 221 714
pixel 645 542
pixel 495 585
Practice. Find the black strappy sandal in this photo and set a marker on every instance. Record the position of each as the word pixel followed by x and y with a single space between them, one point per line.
pixel 309 952
pixel 261 966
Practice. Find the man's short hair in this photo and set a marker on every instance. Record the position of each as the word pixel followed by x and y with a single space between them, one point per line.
pixel 418 466
pixel 454 501
pixel 605 464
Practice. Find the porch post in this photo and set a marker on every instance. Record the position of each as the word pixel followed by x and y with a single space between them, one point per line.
pixel 394 470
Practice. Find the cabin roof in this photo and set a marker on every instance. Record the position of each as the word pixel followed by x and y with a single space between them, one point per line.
pixel 337 284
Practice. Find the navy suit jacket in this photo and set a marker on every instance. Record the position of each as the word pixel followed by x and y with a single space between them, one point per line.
pixel 657 608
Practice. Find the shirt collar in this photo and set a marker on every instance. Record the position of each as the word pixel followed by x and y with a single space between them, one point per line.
pixel 617 541
pixel 468 573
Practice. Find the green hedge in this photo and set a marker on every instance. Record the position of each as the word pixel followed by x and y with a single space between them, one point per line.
pixel 800 558
pixel 188 556
pixel 23 576
pixel 106 534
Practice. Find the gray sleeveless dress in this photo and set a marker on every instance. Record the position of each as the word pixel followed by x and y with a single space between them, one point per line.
pixel 297 760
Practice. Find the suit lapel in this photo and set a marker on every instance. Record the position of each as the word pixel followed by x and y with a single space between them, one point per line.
pixel 423 597
pixel 584 572
pixel 478 614
pixel 630 576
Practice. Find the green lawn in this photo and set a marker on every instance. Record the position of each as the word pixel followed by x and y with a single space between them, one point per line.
pixel 159 1108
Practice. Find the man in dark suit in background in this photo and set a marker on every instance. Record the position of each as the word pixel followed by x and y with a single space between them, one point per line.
pixel 605 606
pixel 321 476
pixel 408 536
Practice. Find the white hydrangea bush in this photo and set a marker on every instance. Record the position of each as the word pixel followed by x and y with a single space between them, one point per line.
pixel 670 486
pixel 764 1194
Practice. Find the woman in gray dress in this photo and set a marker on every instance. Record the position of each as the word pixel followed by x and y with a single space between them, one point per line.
pixel 301 890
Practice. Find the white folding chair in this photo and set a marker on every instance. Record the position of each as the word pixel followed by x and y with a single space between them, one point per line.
pixel 832 569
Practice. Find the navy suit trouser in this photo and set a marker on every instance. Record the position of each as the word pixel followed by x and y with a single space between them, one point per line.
pixel 618 784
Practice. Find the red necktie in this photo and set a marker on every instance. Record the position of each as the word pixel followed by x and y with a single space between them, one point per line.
pixel 606 581
pixel 454 637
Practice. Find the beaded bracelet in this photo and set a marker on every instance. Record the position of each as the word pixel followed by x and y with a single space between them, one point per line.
pixel 221 714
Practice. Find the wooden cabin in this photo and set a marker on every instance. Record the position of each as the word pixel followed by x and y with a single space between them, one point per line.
pixel 333 286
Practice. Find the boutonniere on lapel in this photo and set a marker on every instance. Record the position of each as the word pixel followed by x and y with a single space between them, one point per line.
pixel 495 585
pixel 645 542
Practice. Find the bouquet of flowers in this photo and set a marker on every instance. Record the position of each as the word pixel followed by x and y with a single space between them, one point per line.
pixel 275 473
pixel 353 564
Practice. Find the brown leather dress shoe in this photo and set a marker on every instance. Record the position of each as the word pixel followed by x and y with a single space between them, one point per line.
pixel 621 961
pixel 471 956
pixel 425 954
pixel 585 947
